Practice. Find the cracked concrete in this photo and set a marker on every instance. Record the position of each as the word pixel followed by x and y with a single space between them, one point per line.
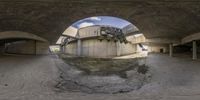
pixel 34 78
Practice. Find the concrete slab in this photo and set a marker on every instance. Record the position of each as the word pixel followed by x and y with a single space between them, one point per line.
pixel 33 78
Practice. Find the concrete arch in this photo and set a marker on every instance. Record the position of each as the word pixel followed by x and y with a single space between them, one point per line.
pixel 17 42
pixel 19 34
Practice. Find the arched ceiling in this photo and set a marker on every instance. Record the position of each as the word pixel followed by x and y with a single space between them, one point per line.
pixel 20 35
pixel 49 18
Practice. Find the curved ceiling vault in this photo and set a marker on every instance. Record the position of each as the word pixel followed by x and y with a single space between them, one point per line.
pixel 20 35
pixel 49 18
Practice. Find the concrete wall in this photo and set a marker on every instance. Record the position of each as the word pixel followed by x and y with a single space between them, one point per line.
pixel 89 31
pixel 135 39
pixel 21 47
pixel 27 47
pixel 42 47
pixel 71 48
pixel 128 48
pixel 95 48
pixel 157 47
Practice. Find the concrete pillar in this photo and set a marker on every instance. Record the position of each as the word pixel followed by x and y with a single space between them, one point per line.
pixel 79 47
pixel 61 50
pixel 171 50
pixel 118 46
pixel 194 50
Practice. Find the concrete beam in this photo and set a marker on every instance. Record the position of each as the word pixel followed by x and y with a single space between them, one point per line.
pixel 171 50
pixel 133 33
pixel 69 36
pixel 194 50
pixel 190 38
pixel 163 40
pixel 79 47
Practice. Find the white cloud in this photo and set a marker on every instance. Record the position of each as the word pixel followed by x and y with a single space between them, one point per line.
pixel 95 18
pixel 85 24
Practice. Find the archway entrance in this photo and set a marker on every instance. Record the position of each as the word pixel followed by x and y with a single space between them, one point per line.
pixel 99 37
pixel 16 42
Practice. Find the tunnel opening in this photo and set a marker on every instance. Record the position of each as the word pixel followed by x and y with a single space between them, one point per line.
pixel 101 37
pixel 162 50
pixel 7 45
pixel 96 50
pixel 186 49
pixel 22 43
pixel 19 46
pixel 98 58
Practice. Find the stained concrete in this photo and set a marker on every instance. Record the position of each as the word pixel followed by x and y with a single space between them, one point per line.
pixel 35 77
pixel 49 18
pixel 100 49
pixel 27 47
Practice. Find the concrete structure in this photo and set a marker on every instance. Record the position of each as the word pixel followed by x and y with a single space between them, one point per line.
pixel 89 45
pixel 50 18
pixel 27 47
pixel 28 27
pixel 96 48
pixel 170 50
pixel 17 42
pixel 194 50
pixel 118 48
pixel 79 49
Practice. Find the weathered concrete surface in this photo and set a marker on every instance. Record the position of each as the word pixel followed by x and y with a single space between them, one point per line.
pixel 33 78
pixel 21 47
pixel 27 77
pixel 27 47
pixel 49 18
pixel 20 35
pixel 97 48
pixel 190 38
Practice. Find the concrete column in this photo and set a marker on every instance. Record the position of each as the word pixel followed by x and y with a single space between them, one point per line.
pixel 79 47
pixel 118 46
pixel 61 50
pixel 171 50
pixel 194 50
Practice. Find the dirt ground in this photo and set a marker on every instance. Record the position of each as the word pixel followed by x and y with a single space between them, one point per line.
pixel 35 78
pixel 104 66
pixel 98 75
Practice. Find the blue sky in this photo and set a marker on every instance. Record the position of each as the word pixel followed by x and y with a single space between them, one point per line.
pixel 101 20
pixel 97 20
